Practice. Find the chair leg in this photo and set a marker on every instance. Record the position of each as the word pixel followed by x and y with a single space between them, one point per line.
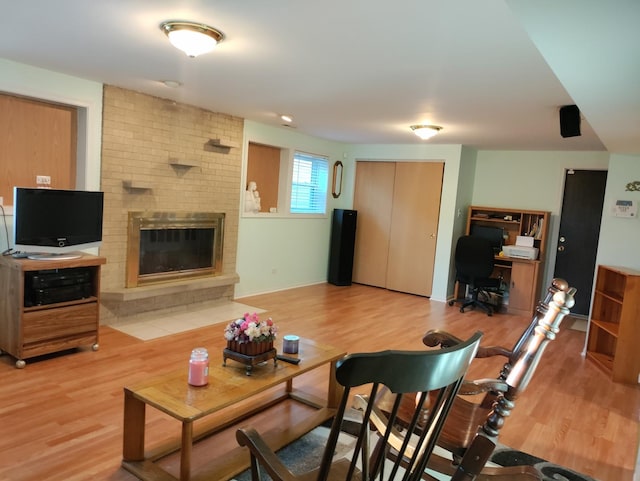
pixel 469 303
pixel 474 301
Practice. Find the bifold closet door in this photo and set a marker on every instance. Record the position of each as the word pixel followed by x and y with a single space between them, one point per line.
pixel 398 206
pixel 372 199
pixel 414 227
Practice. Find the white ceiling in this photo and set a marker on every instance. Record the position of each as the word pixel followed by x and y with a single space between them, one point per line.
pixel 492 73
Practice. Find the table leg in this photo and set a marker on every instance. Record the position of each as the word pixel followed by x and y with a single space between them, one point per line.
pixel 133 428
pixel 185 452
pixel 334 392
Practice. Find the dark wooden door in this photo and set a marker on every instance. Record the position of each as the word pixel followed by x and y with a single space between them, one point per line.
pixel 579 232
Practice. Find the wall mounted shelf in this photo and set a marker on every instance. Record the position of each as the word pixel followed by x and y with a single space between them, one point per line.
pixel 229 144
pixel 133 185
pixel 221 145
pixel 186 163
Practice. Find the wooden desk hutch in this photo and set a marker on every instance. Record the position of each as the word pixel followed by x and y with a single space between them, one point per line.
pixel 522 277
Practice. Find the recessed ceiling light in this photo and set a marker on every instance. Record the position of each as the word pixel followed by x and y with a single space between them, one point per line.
pixel 286 118
pixel 192 38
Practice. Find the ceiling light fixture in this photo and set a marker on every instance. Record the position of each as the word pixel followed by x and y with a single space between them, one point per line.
pixel 286 118
pixel 172 84
pixel 425 131
pixel 192 38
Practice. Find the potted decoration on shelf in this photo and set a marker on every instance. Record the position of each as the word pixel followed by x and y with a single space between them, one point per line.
pixel 250 335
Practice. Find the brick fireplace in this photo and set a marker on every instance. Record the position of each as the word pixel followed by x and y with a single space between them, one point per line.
pixel 158 156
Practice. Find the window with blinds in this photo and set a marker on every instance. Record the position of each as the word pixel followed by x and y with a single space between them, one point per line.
pixel 309 184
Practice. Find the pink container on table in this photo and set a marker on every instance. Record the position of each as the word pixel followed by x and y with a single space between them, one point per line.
pixel 199 367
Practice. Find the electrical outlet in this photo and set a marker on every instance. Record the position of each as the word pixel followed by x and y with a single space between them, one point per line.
pixel 43 179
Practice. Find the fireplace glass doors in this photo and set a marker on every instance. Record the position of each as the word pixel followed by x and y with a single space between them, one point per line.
pixel 164 246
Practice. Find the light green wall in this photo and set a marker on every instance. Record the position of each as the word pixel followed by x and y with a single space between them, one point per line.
pixel 463 200
pixel 528 180
pixel 531 180
pixel 619 237
pixel 276 251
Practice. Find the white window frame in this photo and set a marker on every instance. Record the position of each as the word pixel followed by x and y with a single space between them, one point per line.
pixel 315 182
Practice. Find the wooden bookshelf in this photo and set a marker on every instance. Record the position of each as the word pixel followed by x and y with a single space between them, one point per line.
pixel 614 330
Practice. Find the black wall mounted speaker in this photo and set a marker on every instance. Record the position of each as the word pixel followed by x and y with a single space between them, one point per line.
pixel 570 121
pixel 343 241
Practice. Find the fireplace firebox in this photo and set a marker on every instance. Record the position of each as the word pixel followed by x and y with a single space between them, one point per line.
pixel 166 246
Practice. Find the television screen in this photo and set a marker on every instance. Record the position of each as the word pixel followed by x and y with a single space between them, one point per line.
pixel 52 221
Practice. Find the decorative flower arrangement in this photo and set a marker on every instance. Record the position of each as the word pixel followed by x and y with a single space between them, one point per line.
pixel 250 329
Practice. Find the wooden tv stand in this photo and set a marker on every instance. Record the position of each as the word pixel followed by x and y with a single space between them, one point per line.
pixel 36 323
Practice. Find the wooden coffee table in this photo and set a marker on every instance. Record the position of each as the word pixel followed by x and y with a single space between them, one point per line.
pixel 213 405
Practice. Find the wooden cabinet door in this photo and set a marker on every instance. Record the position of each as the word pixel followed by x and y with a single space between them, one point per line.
pixel 373 199
pixel 522 288
pixel 414 226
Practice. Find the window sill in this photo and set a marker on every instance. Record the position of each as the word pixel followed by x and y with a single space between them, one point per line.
pixel 282 215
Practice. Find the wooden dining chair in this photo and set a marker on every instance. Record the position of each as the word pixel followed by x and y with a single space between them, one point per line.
pixel 472 427
pixel 433 374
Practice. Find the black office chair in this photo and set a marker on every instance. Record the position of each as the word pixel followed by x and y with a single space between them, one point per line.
pixel 474 258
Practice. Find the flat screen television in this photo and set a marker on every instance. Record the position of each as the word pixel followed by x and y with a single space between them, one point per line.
pixel 52 223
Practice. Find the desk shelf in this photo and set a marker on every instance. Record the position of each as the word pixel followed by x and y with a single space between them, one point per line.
pixel 514 222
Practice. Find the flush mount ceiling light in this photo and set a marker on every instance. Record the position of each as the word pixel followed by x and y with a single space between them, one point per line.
pixel 425 131
pixel 172 84
pixel 192 38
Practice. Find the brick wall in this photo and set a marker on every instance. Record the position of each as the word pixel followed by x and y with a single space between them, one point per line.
pixel 140 133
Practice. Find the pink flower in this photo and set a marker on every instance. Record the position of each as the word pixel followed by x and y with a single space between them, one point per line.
pixel 250 328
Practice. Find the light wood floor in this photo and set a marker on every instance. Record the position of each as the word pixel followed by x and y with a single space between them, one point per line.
pixel 61 418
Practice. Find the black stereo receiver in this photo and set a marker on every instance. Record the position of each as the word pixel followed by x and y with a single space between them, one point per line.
pixel 52 295
pixel 52 286
pixel 57 278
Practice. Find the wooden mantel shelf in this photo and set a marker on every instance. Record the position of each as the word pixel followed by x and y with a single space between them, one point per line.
pixel 168 288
